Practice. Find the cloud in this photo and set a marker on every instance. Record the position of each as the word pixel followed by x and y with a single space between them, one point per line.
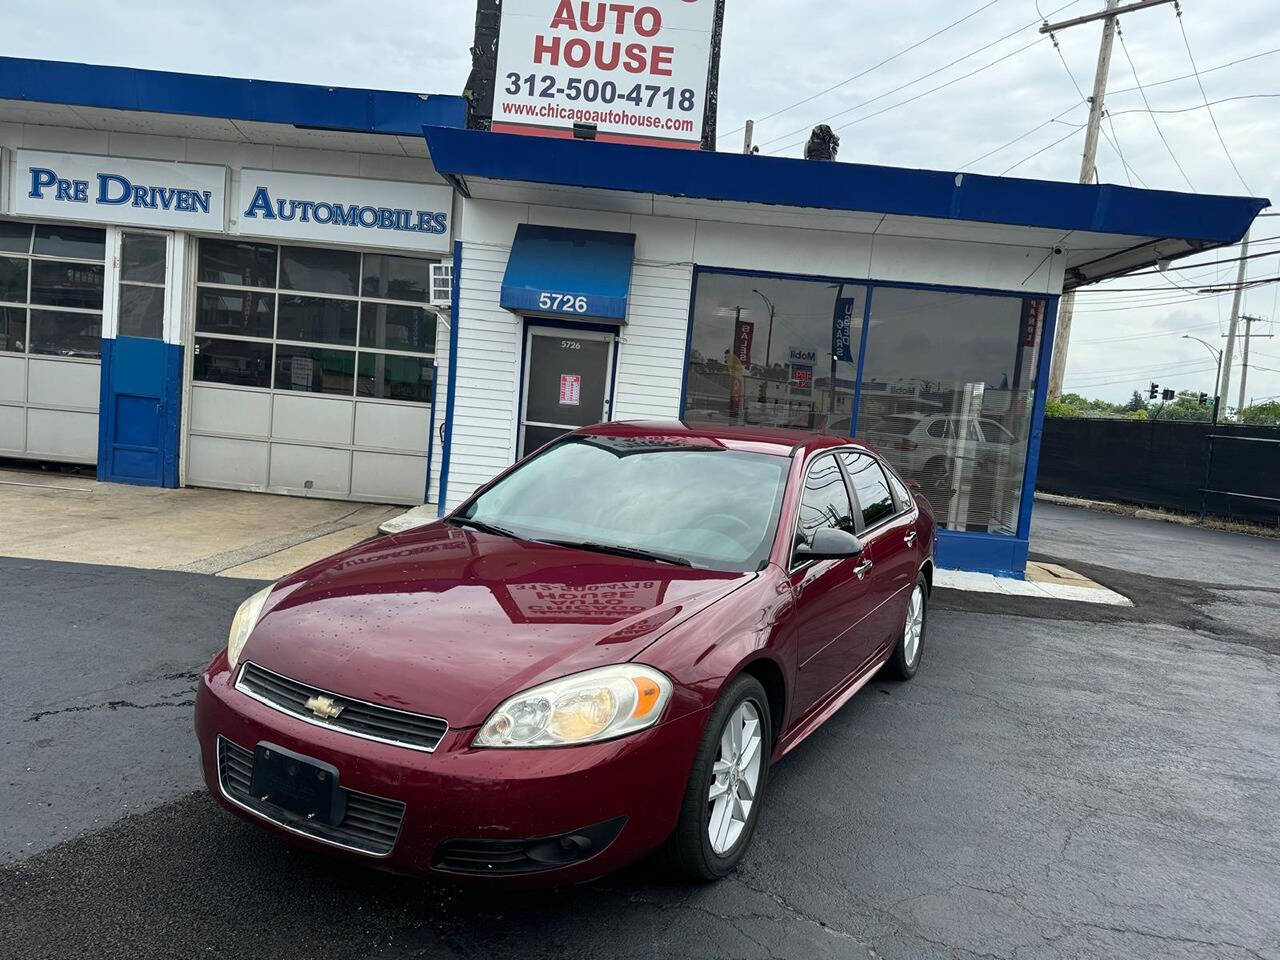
pixel 776 54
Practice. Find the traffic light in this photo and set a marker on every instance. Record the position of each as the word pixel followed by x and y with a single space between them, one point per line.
pixel 1153 392
pixel 1167 395
pixel 1204 399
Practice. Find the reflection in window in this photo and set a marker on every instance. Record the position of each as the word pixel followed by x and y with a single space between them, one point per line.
pixel 869 487
pixel 77 243
pixel 390 376
pixel 318 270
pixel 13 329
pixel 317 320
pixel 62 334
pixel 237 263
pixel 235 312
pixel 315 370
pixel 243 363
pixel 58 284
pixel 947 393
pixel 774 352
pixel 825 502
pixel 13 279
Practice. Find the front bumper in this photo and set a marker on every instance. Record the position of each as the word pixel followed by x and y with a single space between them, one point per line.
pixel 462 794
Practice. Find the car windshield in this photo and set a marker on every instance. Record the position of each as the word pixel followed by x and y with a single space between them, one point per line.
pixel 692 501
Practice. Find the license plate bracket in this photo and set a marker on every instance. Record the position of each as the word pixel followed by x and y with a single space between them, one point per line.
pixel 302 785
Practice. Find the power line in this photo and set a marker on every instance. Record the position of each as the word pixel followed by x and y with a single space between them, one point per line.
pixel 910 83
pixel 1078 128
pixel 1004 146
pixel 1187 43
pixel 902 103
pixel 1147 336
pixel 1147 103
pixel 858 76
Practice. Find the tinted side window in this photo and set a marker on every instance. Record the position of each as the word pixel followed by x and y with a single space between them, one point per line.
pixel 825 502
pixel 938 429
pixel 870 487
pixel 901 495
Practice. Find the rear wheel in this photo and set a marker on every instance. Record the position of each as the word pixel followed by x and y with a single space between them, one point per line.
pixel 905 659
pixel 726 786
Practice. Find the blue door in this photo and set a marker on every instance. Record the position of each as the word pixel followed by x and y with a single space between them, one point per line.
pixel 141 372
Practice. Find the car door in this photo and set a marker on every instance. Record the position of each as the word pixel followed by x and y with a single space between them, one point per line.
pixel 832 598
pixel 891 544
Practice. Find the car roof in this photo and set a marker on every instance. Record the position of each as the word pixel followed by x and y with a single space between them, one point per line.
pixel 778 441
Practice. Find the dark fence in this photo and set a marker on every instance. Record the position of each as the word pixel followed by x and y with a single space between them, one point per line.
pixel 1227 471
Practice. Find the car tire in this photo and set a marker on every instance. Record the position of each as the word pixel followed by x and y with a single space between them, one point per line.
pixel 905 659
pixel 691 850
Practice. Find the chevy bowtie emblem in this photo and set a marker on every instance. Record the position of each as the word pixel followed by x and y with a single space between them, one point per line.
pixel 324 707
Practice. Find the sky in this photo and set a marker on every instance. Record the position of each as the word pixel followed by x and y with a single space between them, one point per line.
pixel 1009 84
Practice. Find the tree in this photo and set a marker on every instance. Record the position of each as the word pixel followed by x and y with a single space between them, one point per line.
pixel 1136 402
pixel 1262 414
pixel 1186 406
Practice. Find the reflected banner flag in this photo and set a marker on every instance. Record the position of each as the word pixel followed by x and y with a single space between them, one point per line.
pixel 842 329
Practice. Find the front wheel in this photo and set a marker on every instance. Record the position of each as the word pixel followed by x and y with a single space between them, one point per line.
pixel 905 659
pixel 726 786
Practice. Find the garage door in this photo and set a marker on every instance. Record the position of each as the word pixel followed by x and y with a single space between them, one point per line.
pixel 312 372
pixel 51 280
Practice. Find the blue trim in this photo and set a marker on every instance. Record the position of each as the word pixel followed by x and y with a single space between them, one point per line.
pixel 446 447
pixel 431 434
pixel 1040 399
pixel 841 186
pixel 139 407
pixel 263 101
pixel 983 553
pixel 587 268
pixel 688 342
pixel 862 359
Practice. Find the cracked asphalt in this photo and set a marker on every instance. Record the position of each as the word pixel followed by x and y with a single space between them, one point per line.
pixel 1057 781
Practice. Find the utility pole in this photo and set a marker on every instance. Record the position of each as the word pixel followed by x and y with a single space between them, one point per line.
pixel 1244 360
pixel 1089 159
pixel 746 136
pixel 1224 388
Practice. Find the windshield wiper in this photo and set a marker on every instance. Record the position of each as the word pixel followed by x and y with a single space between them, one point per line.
pixel 621 551
pixel 484 527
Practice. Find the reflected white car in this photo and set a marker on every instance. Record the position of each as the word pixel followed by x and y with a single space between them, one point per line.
pixel 925 447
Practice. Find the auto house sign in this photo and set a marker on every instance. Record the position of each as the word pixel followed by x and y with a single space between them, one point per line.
pixel 634 72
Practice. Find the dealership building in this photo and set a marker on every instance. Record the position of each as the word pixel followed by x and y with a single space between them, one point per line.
pixel 349 294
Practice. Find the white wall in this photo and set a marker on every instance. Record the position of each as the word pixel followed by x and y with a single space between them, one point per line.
pixel 652 350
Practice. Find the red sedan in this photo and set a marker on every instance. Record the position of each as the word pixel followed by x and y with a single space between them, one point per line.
pixel 599 654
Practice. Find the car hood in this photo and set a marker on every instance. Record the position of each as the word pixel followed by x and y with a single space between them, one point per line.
pixel 449 622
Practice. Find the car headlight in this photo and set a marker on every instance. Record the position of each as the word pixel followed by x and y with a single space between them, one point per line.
pixel 243 622
pixel 594 705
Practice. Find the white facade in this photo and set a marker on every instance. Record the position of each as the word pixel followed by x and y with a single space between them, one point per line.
pixel 357 446
pixel 675 237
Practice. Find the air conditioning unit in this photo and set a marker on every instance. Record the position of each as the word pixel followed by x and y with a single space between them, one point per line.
pixel 441 284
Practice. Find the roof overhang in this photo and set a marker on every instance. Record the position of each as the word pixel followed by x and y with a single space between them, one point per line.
pixel 124 99
pixel 1104 230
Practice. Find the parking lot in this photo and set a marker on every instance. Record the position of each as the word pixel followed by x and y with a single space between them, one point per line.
pixel 1060 780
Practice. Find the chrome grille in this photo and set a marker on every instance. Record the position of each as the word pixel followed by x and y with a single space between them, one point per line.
pixel 358 717
pixel 370 825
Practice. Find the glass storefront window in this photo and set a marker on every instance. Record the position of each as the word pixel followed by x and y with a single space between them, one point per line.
pixel 58 333
pixel 237 263
pixel 242 363
pixel 315 370
pixel 947 382
pixel 317 270
pixel 44 266
pixel 775 352
pixel 314 328
pixel 947 391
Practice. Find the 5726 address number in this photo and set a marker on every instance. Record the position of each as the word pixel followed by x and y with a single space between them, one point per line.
pixel 562 302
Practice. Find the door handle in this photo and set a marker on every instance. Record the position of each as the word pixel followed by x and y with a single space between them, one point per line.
pixel 861 569
pixel 910 538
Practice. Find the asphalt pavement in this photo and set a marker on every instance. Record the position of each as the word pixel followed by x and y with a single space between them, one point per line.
pixel 1057 781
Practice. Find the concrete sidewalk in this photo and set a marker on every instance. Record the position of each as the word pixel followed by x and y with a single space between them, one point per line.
pixel 50 516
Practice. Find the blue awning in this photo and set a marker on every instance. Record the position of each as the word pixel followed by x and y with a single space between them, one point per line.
pixel 562 272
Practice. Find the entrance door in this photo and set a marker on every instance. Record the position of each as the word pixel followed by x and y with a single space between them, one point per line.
pixel 566 383
pixel 142 374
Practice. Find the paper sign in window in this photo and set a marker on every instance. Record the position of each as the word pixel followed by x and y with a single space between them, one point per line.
pixel 570 389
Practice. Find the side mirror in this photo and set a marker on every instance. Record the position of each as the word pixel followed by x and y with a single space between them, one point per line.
pixel 828 543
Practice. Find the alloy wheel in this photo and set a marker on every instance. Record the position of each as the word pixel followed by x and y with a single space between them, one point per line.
pixel 735 778
pixel 914 627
